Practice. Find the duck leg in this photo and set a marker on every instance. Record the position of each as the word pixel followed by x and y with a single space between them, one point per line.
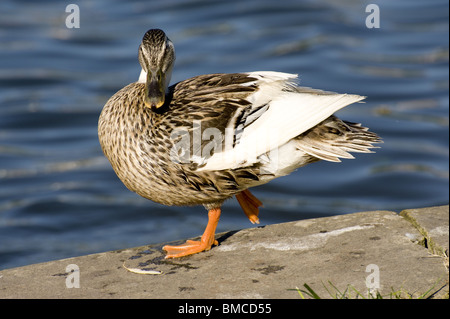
pixel 191 246
pixel 249 204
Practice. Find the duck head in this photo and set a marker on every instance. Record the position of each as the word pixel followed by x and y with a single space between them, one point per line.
pixel 156 56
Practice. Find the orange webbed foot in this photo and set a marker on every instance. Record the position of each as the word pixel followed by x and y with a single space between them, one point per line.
pixel 250 205
pixel 189 248
pixel 193 247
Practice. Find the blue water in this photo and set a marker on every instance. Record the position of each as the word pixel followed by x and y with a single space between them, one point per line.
pixel 60 198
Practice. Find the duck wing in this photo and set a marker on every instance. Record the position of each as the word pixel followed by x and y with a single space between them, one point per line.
pixel 269 111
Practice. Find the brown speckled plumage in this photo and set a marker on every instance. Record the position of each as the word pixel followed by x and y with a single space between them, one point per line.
pixel 137 141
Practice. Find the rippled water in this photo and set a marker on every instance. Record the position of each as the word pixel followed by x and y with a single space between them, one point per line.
pixel 58 195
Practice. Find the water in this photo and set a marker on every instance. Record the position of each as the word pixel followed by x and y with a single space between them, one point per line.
pixel 60 198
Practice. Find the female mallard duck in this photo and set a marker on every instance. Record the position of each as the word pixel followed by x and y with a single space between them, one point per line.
pixel 211 137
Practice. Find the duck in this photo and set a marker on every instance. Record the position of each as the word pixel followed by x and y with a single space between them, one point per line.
pixel 211 137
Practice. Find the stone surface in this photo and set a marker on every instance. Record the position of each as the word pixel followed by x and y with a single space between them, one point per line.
pixel 349 251
pixel 433 224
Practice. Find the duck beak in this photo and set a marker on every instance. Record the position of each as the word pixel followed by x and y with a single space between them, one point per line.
pixel 155 91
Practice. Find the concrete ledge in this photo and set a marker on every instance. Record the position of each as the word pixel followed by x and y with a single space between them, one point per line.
pixel 433 226
pixel 407 252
